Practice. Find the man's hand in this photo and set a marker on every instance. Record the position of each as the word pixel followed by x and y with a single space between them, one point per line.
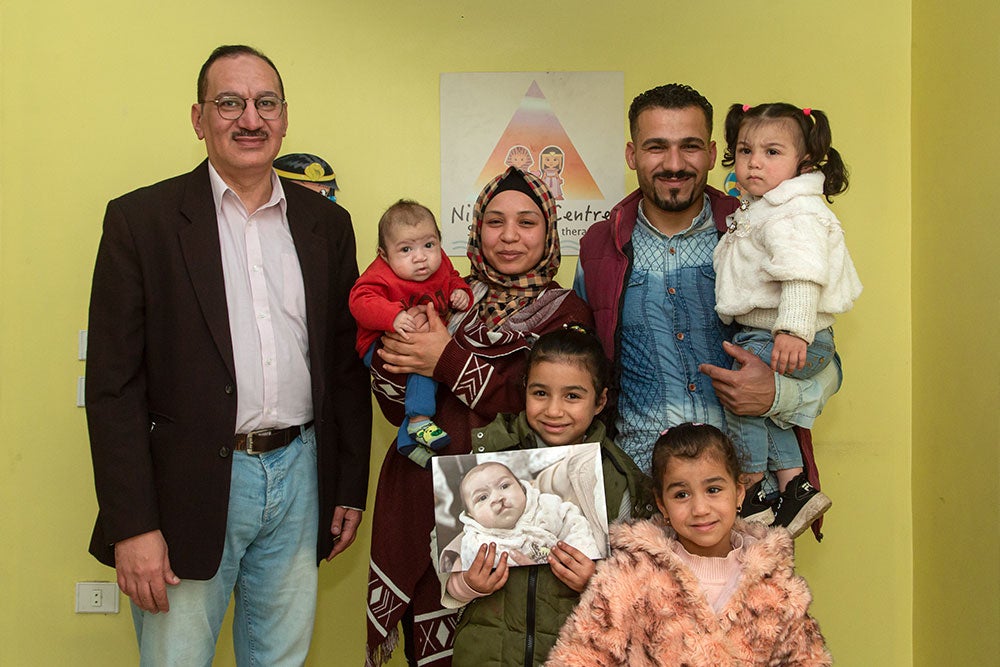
pixel 748 391
pixel 344 528
pixel 571 566
pixel 143 570
pixel 788 354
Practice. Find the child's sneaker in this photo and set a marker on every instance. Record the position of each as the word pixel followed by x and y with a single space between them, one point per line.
pixel 411 449
pixel 421 456
pixel 428 434
pixel 755 507
pixel 799 505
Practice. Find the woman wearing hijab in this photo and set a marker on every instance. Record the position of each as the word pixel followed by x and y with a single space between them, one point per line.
pixel 514 252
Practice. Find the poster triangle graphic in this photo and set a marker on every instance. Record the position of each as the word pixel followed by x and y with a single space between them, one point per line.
pixel 535 141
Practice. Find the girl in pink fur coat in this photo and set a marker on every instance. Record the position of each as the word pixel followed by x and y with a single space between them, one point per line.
pixel 701 588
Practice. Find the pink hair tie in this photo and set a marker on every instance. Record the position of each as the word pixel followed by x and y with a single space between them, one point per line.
pixel 746 107
pixel 807 111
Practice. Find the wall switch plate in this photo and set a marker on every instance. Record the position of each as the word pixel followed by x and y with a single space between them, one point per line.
pixel 96 597
pixel 81 383
pixel 81 345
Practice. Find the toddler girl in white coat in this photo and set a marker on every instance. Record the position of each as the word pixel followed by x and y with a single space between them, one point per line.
pixel 782 272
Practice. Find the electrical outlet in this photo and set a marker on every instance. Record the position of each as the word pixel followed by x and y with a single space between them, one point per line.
pixel 81 391
pixel 96 597
pixel 81 345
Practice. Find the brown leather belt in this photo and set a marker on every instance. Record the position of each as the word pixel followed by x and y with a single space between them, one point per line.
pixel 267 440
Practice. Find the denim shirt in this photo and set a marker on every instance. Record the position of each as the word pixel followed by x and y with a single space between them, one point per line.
pixel 668 327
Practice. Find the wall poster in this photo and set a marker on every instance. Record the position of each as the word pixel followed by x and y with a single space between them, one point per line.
pixel 565 127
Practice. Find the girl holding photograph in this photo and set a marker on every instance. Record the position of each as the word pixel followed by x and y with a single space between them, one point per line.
pixel 513 615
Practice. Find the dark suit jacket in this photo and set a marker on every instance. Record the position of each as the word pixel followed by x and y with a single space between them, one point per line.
pixel 159 350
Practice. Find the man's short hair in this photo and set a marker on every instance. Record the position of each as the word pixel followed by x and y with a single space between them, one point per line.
pixel 231 51
pixel 405 212
pixel 669 96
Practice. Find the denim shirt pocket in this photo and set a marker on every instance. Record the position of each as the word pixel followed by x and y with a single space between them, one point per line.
pixel 634 300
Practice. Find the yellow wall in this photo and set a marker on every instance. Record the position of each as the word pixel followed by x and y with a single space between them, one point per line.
pixel 94 101
pixel 956 314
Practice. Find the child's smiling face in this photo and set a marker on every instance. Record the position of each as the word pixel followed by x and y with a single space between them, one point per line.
pixel 493 496
pixel 562 401
pixel 700 498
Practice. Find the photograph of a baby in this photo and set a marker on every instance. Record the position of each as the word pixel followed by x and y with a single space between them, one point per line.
pixel 524 501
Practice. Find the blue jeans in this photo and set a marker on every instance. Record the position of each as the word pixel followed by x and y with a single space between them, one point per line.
pixel 759 439
pixel 269 562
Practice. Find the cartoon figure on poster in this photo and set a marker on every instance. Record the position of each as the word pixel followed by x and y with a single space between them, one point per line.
pixel 550 167
pixel 519 157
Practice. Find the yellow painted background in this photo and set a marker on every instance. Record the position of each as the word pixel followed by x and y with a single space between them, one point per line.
pixel 94 102
pixel 956 317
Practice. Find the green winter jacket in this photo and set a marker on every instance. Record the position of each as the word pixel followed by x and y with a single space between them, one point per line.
pixel 519 624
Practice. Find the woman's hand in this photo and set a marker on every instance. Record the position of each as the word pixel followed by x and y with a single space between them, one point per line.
pixel 481 576
pixel 571 566
pixel 418 352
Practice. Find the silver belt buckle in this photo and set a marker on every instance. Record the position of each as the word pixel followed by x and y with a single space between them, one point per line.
pixel 250 437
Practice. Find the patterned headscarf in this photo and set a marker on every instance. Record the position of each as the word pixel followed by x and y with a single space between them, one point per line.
pixel 508 294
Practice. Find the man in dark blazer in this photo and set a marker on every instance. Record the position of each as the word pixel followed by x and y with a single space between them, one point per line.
pixel 229 416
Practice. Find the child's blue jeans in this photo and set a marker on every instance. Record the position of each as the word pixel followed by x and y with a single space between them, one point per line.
pixel 758 439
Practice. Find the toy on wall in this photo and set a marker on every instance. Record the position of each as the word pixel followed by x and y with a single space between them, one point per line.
pixel 310 171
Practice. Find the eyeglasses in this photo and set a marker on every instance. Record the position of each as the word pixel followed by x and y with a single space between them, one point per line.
pixel 231 107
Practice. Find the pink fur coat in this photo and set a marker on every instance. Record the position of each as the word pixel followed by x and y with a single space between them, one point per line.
pixel 644 607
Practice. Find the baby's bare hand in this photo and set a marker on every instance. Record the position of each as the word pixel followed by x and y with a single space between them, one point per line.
pixel 789 353
pixel 418 314
pixel 403 324
pixel 459 299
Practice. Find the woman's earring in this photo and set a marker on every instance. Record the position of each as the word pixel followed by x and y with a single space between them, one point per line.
pixel 739 508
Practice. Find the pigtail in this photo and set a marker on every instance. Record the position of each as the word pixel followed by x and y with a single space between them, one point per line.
pixel 732 128
pixel 827 159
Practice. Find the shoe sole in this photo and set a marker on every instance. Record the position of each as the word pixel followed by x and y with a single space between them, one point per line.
pixel 811 511
pixel 765 516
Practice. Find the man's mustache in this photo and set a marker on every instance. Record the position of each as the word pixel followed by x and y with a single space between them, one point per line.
pixel 674 174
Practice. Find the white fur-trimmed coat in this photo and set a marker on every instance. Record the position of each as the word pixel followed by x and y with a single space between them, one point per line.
pixel 784 264
pixel 645 608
